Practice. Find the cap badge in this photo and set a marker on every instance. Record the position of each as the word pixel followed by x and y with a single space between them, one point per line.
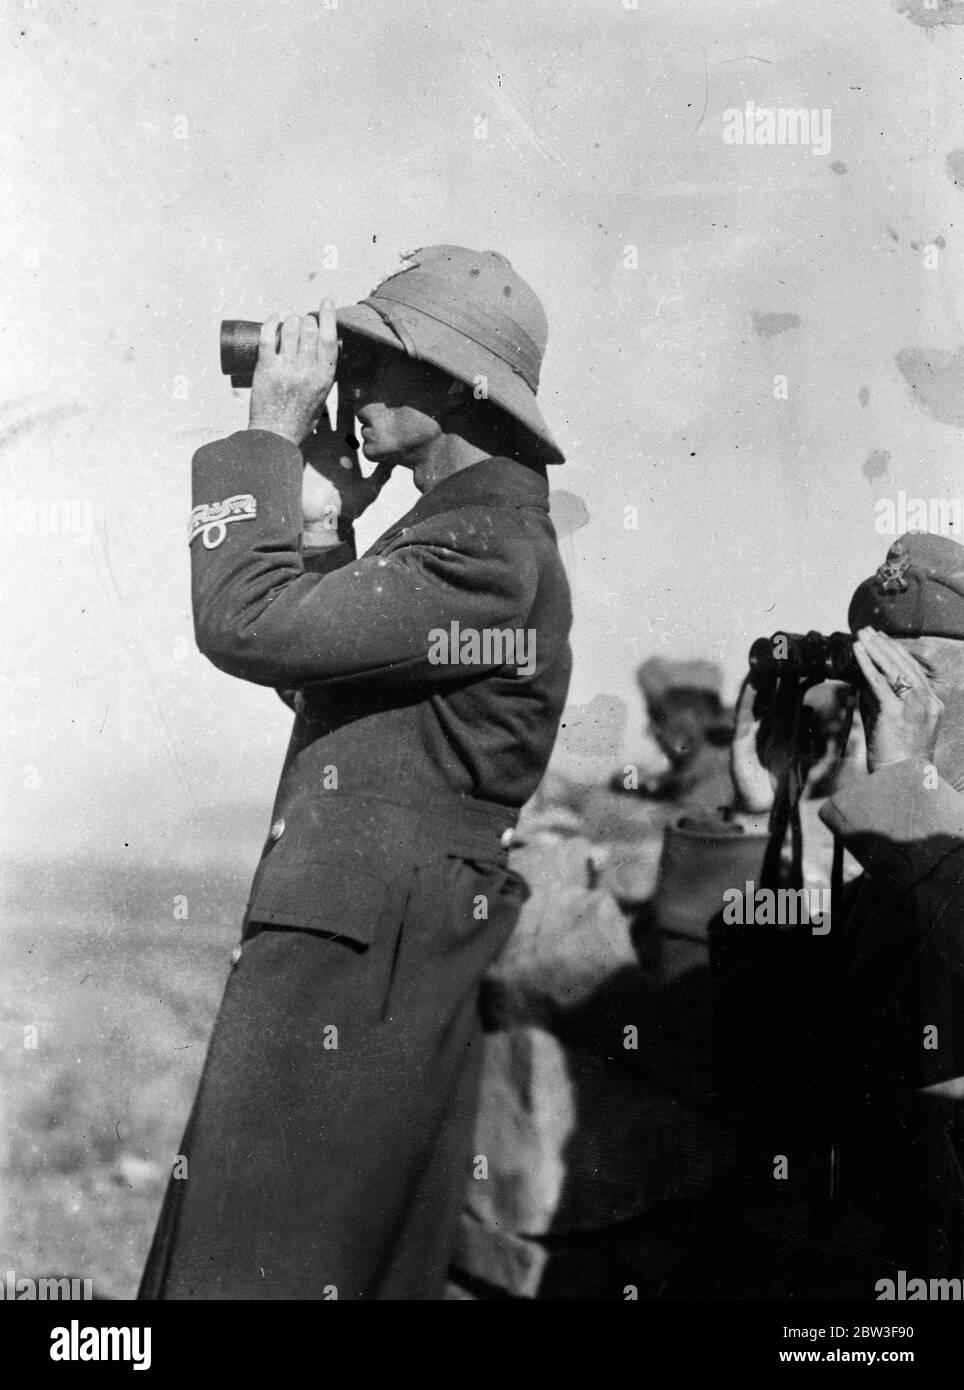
pixel 891 576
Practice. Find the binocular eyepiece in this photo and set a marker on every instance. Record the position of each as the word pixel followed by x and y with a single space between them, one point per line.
pixel 809 656
pixel 239 355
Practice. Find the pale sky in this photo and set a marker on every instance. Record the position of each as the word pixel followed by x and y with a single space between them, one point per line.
pixel 167 164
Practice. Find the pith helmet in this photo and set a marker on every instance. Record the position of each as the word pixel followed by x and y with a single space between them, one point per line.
pixel 469 314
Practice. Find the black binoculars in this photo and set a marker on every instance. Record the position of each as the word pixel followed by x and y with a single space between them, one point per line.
pixel 239 355
pixel 809 656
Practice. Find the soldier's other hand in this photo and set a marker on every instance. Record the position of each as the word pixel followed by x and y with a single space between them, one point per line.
pixel 334 488
pixel 900 710
pixel 752 783
pixel 295 372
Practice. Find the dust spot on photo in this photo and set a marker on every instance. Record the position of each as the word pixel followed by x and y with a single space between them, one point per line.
pixel 567 511
pixel 936 380
pixel 876 464
pixel 767 325
pixel 928 14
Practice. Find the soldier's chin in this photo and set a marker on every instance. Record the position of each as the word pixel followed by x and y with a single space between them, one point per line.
pixel 370 445
pixel 376 453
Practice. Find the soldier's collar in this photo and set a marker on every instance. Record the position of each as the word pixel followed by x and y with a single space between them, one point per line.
pixel 501 479
pixel 497 482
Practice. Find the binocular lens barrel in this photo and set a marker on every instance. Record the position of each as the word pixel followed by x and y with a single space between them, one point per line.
pixel 239 355
pixel 239 347
pixel 810 656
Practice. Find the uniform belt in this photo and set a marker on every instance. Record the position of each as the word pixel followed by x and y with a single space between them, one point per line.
pixel 435 825
pixel 467 826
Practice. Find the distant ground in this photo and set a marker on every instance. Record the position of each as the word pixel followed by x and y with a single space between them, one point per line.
pixel 122 994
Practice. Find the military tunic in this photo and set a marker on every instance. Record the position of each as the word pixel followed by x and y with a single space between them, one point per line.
pixel 902 1012
pixel 330 1139
pixel 824 1056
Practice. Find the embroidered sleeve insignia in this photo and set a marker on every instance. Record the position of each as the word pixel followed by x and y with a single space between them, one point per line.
pixel 891 575
pixel 210 520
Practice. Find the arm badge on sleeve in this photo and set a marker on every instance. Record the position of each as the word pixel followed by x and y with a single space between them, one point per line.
pixel 211 519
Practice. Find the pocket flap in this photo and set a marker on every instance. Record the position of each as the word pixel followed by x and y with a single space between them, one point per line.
pixel 319 895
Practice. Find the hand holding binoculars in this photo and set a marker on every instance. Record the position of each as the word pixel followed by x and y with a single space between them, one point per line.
pixel 239 356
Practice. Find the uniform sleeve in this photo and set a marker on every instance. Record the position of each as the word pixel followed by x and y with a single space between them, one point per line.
pixel 261 615
pixel 899 823
pixel 320 561
pixel 905 826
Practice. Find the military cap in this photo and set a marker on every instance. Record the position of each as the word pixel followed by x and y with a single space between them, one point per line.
pixel 658 675
pixel 917 592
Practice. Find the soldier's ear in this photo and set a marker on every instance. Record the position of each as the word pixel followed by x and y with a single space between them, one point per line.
pixel 455 396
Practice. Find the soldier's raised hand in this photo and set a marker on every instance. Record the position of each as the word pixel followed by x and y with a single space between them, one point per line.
pixel 900 708
pixel 752 783
pixel 295 372
pixel 334 488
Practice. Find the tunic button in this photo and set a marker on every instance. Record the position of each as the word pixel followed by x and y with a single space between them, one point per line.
pixel 507 837
pixel 235 955
pixel 278 829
